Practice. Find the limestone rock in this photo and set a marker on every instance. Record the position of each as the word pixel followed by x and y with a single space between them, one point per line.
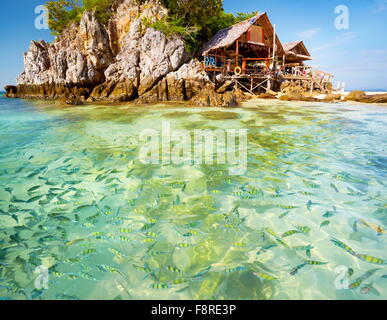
pixel 10 91
pixel 123 61
pixel 158 57
pixel 79 57
pixel 123 91
pixel 224 87
pixel 296 93
pixel 332 97
pixel 356 96
pixel 208 97
pixel 378 98
pixel 266 95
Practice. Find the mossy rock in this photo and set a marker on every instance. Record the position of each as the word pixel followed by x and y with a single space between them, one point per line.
pixel 177 114
pixel 332 97
pixel 266 95
pixel 378 98
pixel 220 115
pixel 356 96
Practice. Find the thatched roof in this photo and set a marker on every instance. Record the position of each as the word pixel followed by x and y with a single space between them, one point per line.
pixel 297 50
pixel 228 36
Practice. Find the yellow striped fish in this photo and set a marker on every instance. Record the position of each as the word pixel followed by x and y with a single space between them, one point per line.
pixel 264 276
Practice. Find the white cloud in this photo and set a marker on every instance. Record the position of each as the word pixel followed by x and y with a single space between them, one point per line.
pixel 343 39
pixel 308 34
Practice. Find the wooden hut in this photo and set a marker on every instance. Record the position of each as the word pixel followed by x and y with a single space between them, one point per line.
pixel 296 52
pixel 250 46
pixel 251 55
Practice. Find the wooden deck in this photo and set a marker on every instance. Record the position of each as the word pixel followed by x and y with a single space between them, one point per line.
pixel 251 82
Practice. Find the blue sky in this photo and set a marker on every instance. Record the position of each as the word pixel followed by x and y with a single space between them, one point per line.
pixel 357 55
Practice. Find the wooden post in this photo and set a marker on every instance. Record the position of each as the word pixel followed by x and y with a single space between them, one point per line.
pixel 268 84
pixel 274 45
pixel 237 54
pixel 225 68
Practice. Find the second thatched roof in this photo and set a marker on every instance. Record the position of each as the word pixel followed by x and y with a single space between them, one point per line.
pixel 298 50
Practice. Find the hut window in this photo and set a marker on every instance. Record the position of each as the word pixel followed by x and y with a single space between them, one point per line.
pixel 256 34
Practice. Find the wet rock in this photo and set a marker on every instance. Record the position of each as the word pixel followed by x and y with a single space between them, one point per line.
pixel 294 95
pixel 74 101
pixel 378 98
pixel 332 97
pixel 208 97
pixel 10 91
pixel 102 91
pixel 285 85
pixel 356 96
pixel 190 78
pixel 297 94
pixel 229 100
pixel 267 95
pixel 224 87
pixel 123 91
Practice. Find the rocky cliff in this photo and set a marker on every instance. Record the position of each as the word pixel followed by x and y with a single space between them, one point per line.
pixel 123 61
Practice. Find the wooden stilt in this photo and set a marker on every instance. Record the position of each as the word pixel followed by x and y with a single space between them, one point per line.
pixel 268 85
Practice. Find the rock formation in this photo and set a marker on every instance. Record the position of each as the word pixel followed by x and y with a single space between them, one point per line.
pixel 360 96
pixel 123 61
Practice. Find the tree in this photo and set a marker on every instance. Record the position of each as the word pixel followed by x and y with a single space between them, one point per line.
pixel 102 9
pixel 196 21
pixel 203 17
pixel 61 13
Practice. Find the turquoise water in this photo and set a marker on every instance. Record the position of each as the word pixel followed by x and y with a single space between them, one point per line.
pixel 309 214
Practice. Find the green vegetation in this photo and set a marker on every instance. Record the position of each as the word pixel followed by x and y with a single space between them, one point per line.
pixel 63 12
pixel 102 9
pixel 196 21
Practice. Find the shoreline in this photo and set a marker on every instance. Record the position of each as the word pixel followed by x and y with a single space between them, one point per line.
pixel 317 98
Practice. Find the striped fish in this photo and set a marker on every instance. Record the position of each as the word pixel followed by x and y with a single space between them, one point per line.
pixel 173 269
pixel 361 257
pixel 264 276
pixel 290 233
pixel 342 245
pixel 303 229
pixel 370 259
pixel 314 263
pixel 361 279
pixel 297 268
pixel 160 286
pixel 236 269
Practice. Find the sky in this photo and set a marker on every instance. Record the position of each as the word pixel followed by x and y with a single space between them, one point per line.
pixel 353 49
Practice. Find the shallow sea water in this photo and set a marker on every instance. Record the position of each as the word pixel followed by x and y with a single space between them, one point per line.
pixel 75 198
